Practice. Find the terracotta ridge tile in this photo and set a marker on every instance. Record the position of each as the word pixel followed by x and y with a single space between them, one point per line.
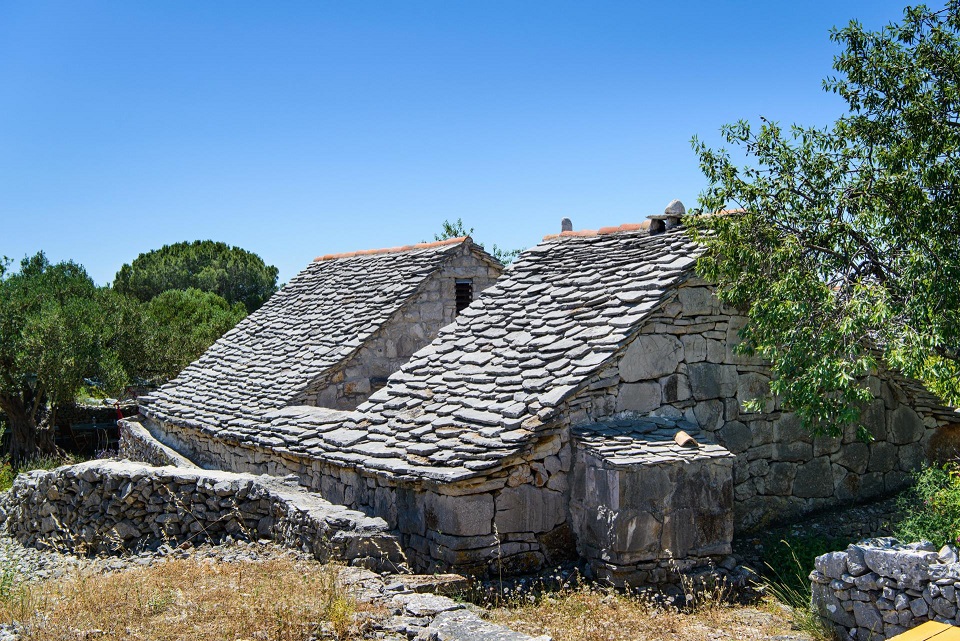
pixel 392 250
pixel 603 231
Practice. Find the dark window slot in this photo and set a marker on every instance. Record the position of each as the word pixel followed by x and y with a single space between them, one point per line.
pixel 464 294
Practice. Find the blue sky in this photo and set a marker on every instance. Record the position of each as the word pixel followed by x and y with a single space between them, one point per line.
pixel 296 129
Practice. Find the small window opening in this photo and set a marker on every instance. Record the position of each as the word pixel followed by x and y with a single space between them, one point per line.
pixel 464 293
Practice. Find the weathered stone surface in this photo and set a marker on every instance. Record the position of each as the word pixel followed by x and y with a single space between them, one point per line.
pixel 470 515
pixel 639 397
pixel 697 301
pixel 650 357
pixel 814 479
pixel 905 426
pixel 906 585
pixel 529 509
pixel 463 625
pixel 735 436
pixel 753 386
pixel 710 380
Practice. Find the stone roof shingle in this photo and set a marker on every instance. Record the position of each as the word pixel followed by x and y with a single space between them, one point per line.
pixel 317 320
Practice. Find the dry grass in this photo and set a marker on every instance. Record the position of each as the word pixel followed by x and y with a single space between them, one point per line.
pixel 273 600
pixel 588 614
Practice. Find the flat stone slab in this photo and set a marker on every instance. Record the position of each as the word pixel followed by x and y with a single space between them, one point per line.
pixel 463 625
pixel 445 584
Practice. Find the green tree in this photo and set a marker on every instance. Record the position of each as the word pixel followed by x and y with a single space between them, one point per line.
pixel 232 273
pixel 846 249
pixel 183 324
pixel 53 335
pixel 456 230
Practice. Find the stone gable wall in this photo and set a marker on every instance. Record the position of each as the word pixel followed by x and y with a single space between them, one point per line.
pixel 415 325
pixel 683 365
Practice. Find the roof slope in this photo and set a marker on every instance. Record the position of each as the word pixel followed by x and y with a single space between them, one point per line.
pixel 324 314
pixel 481 390
pixel 491 379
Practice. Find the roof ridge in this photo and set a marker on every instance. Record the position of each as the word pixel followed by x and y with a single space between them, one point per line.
pixel 626 227
pixel 393 250
pixel 603 231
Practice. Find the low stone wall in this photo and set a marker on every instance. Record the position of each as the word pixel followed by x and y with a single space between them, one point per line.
pixel 879 588
pixel 137 444
pixel 108 506
pixel 512 521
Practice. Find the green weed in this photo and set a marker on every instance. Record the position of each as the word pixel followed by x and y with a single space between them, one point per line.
pixel 931 507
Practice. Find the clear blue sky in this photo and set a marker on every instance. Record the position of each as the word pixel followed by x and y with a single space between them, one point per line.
pixel 294 129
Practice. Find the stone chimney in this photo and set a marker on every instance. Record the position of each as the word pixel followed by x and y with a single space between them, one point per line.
pixel 669 219
pixel 566 225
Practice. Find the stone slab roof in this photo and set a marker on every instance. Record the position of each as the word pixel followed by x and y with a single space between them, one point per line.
pixel 645 441
pixel 469 401
pixel 464 403
pixel 324 314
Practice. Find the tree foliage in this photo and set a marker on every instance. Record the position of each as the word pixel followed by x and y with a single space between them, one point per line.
pixel 232 273
pixel 183 324
pixel 846 247
pixel 56 329
pixel 456 230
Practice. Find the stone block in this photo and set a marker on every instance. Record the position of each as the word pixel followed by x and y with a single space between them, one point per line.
pixel 709 414
pixel 853 456
pixel 710 380
pixel 788 429
pixel 883 457
pixel 904 426
pixel 694 348
pixel 779 480
pixel 868 617
pixel 528 509
pixel 470 515
pixel 639 397
pixel 873 416
pixel 753 386
pixel 814 479
pixel 676 387
pixel 796 452
pixel 697 301
pixel 735 436
pixel 650 356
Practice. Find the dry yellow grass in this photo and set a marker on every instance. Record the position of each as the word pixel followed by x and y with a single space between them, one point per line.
pixel 592 615
pixel 273 600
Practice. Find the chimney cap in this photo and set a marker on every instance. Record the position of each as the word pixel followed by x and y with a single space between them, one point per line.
pixel 675 208
pixel 669 219
pixel 566 225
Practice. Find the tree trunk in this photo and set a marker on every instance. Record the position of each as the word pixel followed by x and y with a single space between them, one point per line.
pixel 23 432
pixel 27 439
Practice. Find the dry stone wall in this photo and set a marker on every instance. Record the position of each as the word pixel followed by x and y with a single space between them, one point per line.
pixel 413 326
pixel 879 588
pixel 514 520
pixel 106 506
pixel 683 365
pixel 137 444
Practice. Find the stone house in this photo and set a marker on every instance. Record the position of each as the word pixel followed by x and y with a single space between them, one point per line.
pixel 589 403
